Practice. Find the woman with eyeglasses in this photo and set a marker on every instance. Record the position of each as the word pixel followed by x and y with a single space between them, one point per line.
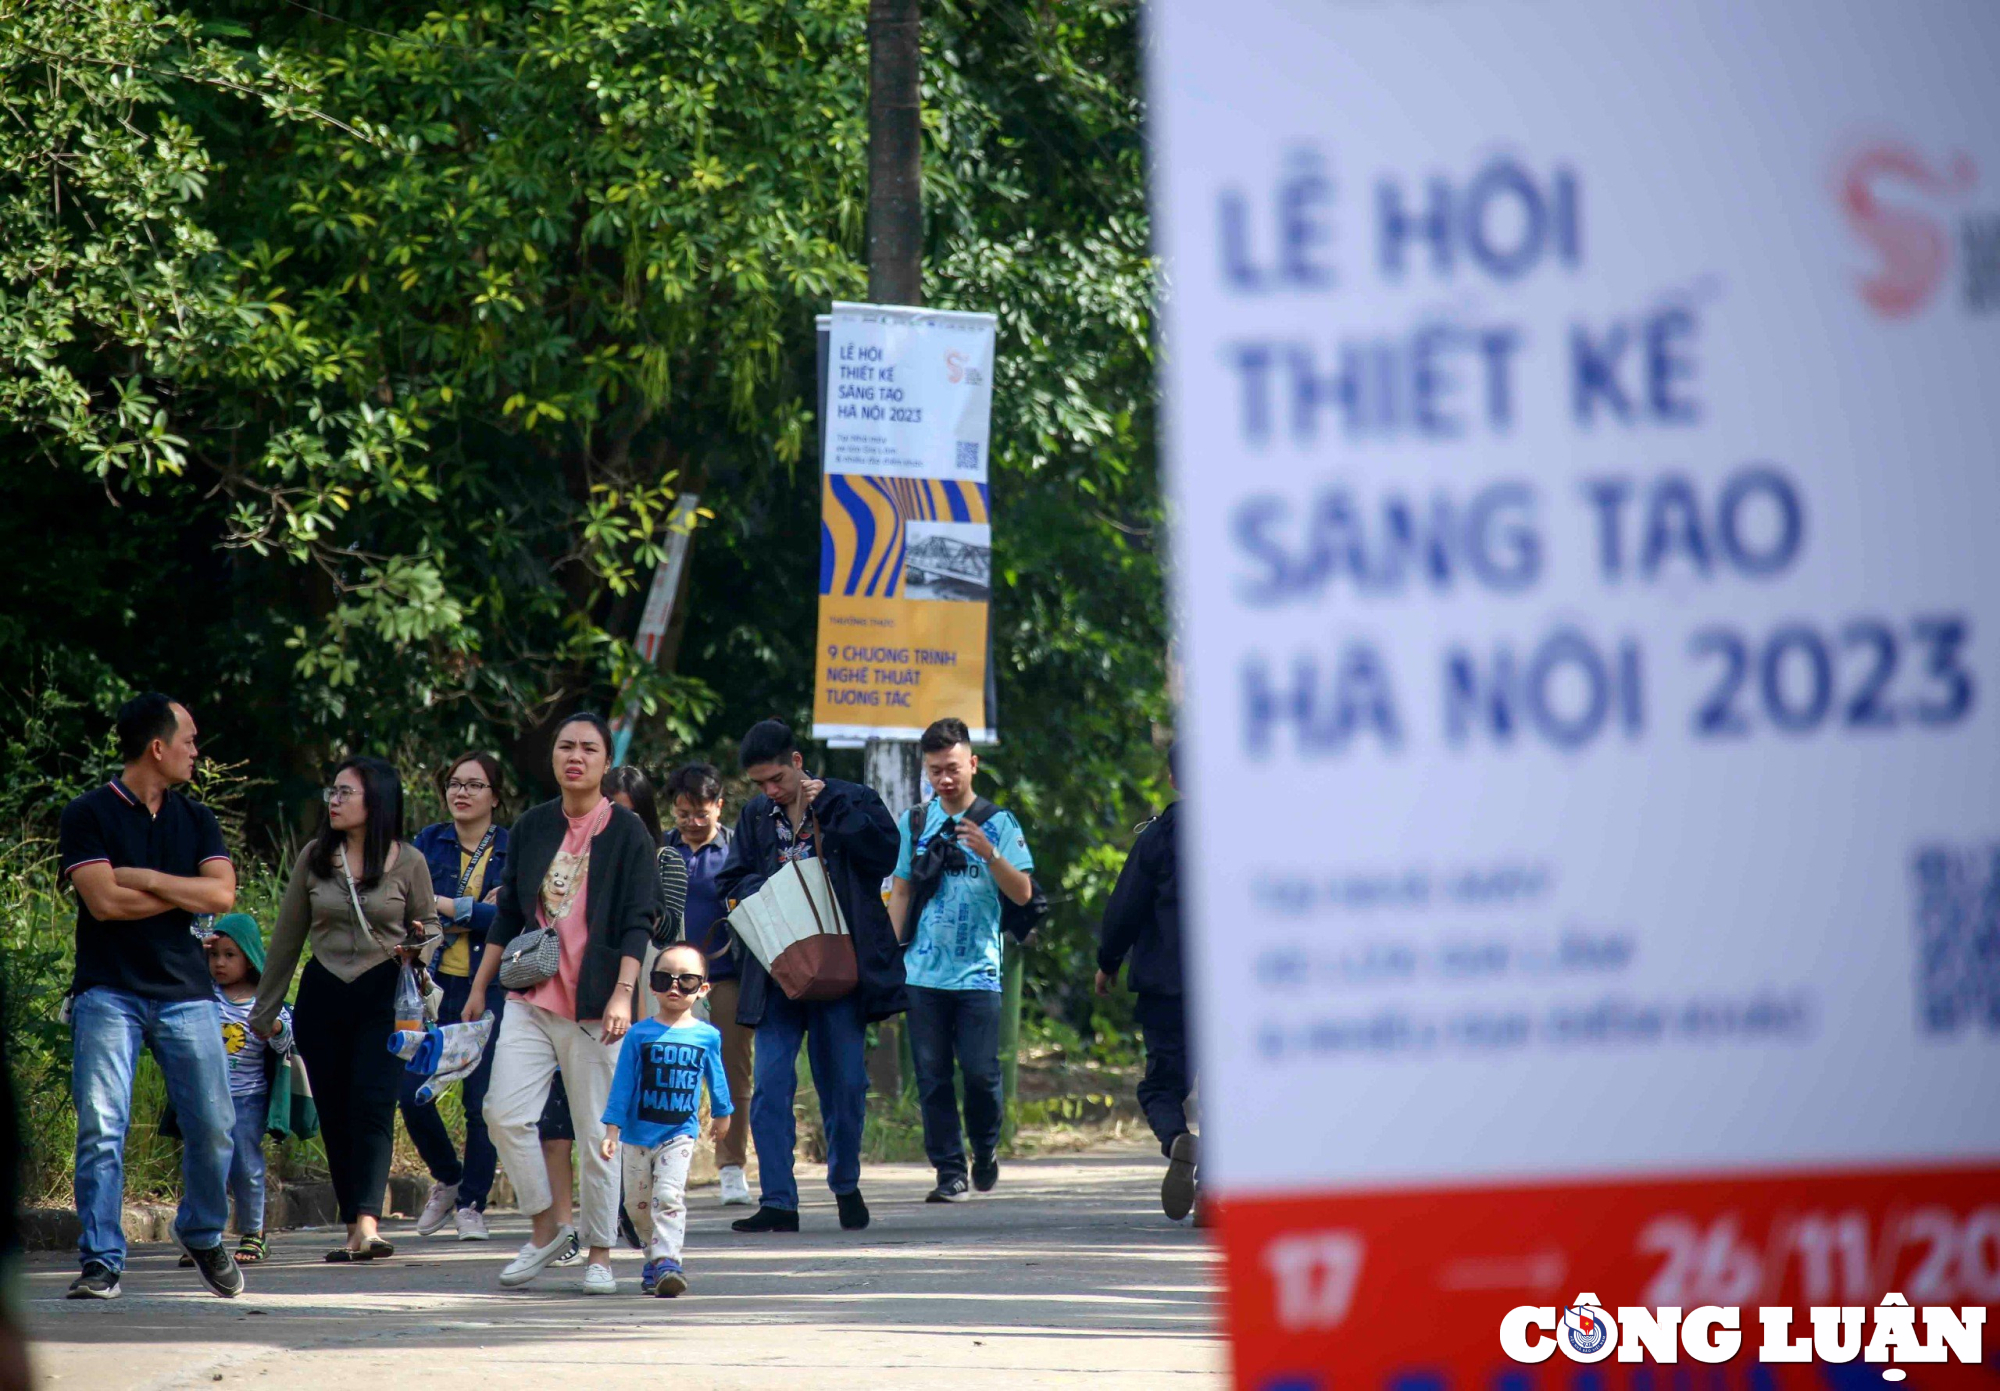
pixel 466 856
pixel 362 896
pixel 582 875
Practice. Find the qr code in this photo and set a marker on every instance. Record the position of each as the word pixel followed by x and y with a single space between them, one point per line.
pixel 968 455
pixel 1957 891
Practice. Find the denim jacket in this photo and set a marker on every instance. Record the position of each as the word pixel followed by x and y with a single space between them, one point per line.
pixel 439 844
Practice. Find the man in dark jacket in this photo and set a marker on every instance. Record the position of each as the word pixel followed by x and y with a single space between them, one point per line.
pixel 797 816
pixel 1143 920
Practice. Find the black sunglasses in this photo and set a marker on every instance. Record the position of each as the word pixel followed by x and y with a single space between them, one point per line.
pixel 688 981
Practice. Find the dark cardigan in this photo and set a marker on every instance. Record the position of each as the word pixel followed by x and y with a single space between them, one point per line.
pixel 623 889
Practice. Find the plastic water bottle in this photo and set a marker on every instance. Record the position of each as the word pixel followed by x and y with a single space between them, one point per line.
pixel 409 1000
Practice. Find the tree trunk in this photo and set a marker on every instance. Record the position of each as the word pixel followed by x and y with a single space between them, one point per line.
pixel 895 276
pixel 895 154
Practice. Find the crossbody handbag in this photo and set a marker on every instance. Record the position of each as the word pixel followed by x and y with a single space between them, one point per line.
pixel 428 988
pixel 535 954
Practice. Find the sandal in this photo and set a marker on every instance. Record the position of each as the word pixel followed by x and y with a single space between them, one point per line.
pixel 379 1250
pixel 251 1249
pixel 340 1255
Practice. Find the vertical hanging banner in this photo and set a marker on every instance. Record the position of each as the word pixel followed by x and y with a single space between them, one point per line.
pixel 1582 424
pixel 906 545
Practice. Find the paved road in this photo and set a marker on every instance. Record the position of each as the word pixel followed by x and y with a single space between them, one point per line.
pixel 1066 1271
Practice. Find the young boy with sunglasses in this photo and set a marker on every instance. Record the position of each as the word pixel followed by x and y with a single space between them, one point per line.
pixel 654 1110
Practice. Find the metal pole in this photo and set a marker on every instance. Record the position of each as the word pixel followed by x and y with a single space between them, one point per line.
pixel 895 276
pixel 895 155
pixel 653 620
pixel 1011 969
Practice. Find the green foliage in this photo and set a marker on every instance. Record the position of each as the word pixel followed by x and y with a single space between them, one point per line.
pixel 567 274
pixel 1038 199
pixel 361 352
pixel 1035 208
pixel 111 287
pixel 435 370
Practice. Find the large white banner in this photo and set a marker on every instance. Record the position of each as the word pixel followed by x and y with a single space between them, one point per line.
pixel 909 392
pixel 1584 424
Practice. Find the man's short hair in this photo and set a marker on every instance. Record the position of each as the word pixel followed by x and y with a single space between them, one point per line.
pixel 141 720
pixel 947 733
pixel 769 741
pixel 698 782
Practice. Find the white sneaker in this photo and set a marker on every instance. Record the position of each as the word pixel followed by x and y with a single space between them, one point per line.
pixel 437 1209
pixel 599 1280
pixel 735 1188
pixel 570 1256
pixel 472 1225
pixel 534 1259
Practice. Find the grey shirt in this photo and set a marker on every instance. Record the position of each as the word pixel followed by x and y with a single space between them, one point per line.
pixel 401 910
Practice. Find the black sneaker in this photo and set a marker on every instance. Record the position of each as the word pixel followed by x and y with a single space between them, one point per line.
pixel 1177 1188
pixel 768 1219
pixel 853 1212
pixel 98 1281
pixel 950 1189
pixel 986 1173
pixel 216 1268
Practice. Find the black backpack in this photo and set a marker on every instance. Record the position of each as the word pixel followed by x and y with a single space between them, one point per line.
pixel 1017 920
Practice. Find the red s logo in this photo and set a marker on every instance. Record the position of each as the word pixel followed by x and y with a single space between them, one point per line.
pixel 1913 248
pixel 954 366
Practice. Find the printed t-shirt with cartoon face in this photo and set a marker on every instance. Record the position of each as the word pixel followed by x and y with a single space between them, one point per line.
pixel 564 904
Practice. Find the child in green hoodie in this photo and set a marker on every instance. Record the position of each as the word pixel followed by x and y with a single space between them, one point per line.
pixel 236 961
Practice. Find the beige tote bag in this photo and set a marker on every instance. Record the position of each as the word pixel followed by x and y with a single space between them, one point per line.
pixel 793 926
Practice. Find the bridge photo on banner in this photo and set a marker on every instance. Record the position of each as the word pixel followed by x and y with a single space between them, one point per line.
pixel 906 542
pixel 1581 423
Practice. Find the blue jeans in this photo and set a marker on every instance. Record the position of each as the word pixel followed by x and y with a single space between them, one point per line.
pixel 835 1039
pixel 246 1160
pixel 474 1174
pixel 964 1024
pixel 107 1029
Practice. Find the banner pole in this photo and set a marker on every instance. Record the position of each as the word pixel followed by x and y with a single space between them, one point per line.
pixel 895 276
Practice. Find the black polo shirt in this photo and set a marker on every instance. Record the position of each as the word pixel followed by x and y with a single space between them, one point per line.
pixel 159 957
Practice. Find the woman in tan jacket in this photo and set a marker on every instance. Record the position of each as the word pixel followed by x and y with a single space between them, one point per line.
pixel 362 897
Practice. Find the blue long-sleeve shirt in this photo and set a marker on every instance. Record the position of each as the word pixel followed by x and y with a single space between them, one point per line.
pixel 656 1091
pixel 439 846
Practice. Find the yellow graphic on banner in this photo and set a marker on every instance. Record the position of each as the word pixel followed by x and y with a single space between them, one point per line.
pixel 866 523
pixel 899 664
pixel 905 574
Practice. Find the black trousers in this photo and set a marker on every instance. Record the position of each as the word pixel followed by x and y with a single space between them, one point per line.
pixel 957 1032
pixel 1163 1091
pixel 342 1028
